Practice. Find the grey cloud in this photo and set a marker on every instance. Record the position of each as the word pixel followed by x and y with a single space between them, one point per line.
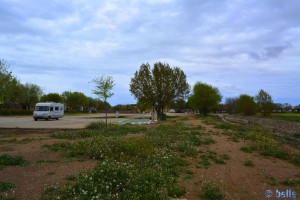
pixel 269 52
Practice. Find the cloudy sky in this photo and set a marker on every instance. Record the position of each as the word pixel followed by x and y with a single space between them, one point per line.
pixel 236 45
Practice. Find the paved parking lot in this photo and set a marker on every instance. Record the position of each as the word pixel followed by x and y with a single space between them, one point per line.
pixel 68 121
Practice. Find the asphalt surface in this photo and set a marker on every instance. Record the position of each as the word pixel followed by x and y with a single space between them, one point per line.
pixel 68 121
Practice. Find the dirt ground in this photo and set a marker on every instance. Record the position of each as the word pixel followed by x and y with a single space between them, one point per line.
pixel 236 181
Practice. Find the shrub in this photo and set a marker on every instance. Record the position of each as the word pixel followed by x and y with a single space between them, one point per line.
pixel 4 186
pixel 248 163
pixel 211 191
pixel 7 159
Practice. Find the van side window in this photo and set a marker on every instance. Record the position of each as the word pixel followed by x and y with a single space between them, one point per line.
pixel 51 109
pixel 56 108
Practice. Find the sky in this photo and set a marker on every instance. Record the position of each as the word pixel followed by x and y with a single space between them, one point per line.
pixel 237 46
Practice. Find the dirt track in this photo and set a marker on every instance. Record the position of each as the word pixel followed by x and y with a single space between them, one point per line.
pixel 72 121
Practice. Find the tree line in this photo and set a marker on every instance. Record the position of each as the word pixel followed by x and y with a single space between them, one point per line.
pixel 164 86
pixel 17 96
pixel 158 88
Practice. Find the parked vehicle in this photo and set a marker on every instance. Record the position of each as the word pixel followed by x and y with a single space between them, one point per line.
pixel 48 110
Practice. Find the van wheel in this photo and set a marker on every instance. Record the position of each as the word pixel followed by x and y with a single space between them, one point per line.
pixel 47 118
pixel 57 118
pixel 35 119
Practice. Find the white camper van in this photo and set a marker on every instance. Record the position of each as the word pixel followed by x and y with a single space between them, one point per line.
pixel 48 110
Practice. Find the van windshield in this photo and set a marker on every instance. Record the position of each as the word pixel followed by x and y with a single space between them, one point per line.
pixel 41 108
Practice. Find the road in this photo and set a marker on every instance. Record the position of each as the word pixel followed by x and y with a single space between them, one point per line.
pixel 68 121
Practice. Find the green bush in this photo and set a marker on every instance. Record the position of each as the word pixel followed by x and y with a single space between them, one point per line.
pixel 5 186
pixel 211 191
pixel 6 160
pixel 16 112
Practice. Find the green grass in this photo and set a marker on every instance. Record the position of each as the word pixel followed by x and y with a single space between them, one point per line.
pixel 204 162
pixel 271 180
pixel 45 161
pixel 290 182
pixel 5 186
pixel 248 163
pixel 7 160
pixel 143 167
pixel 211 191
pixel 259 139
pixel 14 140
pixel 97 129
pixel 294 117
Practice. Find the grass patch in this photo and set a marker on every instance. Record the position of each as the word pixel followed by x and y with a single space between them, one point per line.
pixel 211 191
pixel 271 180
pixel 248 163
pixel 7 160
pixel 45 161
pixel 204 162
pixel 99 128
pixel 211 155
pixel 247 149
pixel 114 180
pixel 5 186
pixel 293 117
pixel 259 139
pixel 290 182
pixel 145 167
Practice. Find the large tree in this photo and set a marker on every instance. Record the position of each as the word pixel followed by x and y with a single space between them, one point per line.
pixel 205 97
pixel 264 102
pixel 10 86
pixel 246 105
pixel 230 104
pixel 75 100
pixel 159 86
pixel 31 93
pixel 55 97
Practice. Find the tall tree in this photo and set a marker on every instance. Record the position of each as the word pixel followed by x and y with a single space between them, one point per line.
pixel 230 104
pixel 104 85
pixel 10 86
pixel 55 97
pixel 31 93
pixel 160 86
pixel 246 105
pixel 75 100
pixel 264 102
pixel 205 97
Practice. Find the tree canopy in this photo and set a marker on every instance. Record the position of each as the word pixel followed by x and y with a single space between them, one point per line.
pixel 55 97
pixel 159 86
pixel 246 105
pixel 104 85
pixel 264 102
pixel 205 97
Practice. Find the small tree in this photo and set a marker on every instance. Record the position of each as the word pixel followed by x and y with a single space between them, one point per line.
pixel 205 97
pixel 104 85
pixel 264 102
